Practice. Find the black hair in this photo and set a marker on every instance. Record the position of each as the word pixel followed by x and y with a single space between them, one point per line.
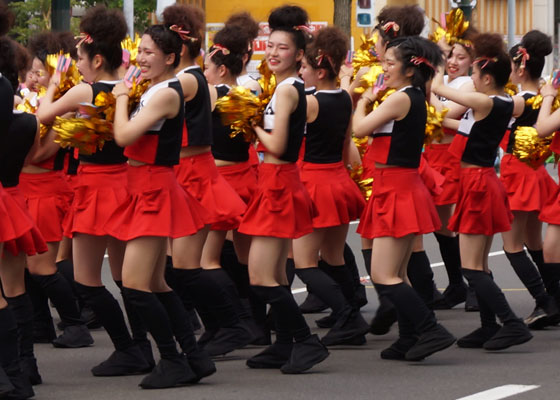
pixel 244 20
pixel 43 44
pixel 491 57
pixel 409 21
pixel 6 19
pixel 188 18
pixel 328 50
pixel 107 28
pixel 234 39
pixel 168 41
pixel 9 61
pixel 420 54
pixel 288 19
pixel 538 46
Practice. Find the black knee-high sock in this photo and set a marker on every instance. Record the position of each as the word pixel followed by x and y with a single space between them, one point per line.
pixel 171 280
pixel 109 313
pixel 66 269
pixel 39 300
pixel 487 291
pixel 366 253
pixel 421 275
pixel 206 294
pixel 238 272
pixel 324 287
pixel 180 321
pixel 22 310
pixel 449 249
pixel 155 317
pixel 487 315
pixel 341 275
pixel 223 279
pixel 550 280
pixel 290 270
pixel 408 305
pixel 9 355
pixel 407 330
pixel 288 316
pixel 137 326
pixel 258 307
pixel 528 274
pixel 553 270
pixel 60 293
pixel 351 265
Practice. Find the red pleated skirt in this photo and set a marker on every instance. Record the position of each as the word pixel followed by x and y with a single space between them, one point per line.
pixel 336 198
pixel 48 197
pixel 440 159
pixel 483 207
pixel 281 206
pixel 99 191
pixel 31 242
pixel 432 179
pixel 368 163
pixel 550 212
pixel 199 176
pixel 527 189
pixel 156 205
pixel 400 204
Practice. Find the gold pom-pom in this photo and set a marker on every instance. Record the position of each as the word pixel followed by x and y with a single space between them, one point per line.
pixel 69 77
pixel 87 133
pixel 434 128
pixel 135 93
pixel 365 185
pixel 131 46
pixel 240 109
pixel 536 101
pixel 105 102
pixel 511 89
pixel 455 28
pixel 365 55
pixel 374 77
pixel 361 144
pixel 267 81
pixel 530 148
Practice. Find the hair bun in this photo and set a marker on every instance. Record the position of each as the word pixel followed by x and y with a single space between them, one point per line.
pixel 287 17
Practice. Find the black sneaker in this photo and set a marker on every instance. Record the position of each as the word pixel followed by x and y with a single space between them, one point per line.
pixel 348 328
pixel 125 362
pixel 471 302
pixel 228 339
pixel 273 357
pixel 552 312
pixel 73 337
pixel 385 317
pixel 201 363
pixel 430 342
pixel 537 320
pixel 22 388
pixel 511 334
pixel 453 295
pixel 29 367
pixel 477 338
pixel 5 384
pixel 398 350
pixel 312 304
pixel 326 322
pixel 305 355
pixel 170 373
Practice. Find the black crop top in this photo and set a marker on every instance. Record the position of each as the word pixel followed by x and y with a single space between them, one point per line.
pixel 225 147
pixel 296 125
pixel 527 118
pixel 400 143
pixel 160 145
pixel 197 130
pixel 483 137
pixel 15 147
pixel 111 153
pixel 324 138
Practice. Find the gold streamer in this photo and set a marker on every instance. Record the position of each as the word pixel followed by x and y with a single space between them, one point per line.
pixel 434 128
pixel 530 148
pixel 455 28
pixel 511 89
pixel 365 185
pixel 132 47
pixel 365 56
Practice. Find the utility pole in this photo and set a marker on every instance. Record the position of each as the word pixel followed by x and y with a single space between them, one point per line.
pixel 128 11
pixel 60 15
pixel 511 23
pixel 465 5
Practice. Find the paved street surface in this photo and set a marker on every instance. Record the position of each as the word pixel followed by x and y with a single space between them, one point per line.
pixel 349 373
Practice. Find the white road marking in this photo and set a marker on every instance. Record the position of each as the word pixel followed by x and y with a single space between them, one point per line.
pixel 500 392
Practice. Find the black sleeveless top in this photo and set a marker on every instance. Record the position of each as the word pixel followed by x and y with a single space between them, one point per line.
pixel 225 147
pixel 527 118
pixel 296 125
pixel 198 113
pixel 324 138
pixel 161 145
pixel 400 143
pixel 111 153
pixel 15 146
pixel 484 136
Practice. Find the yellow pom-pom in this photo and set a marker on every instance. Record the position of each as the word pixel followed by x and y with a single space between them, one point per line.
pixel 434 128
pixel 530 148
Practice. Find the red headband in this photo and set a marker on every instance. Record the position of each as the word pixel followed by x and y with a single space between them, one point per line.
pixel 486 61
pixel 421 60
pixel 184 35
pixel 321 56
pixel 218 47
pixel 84 38
pixel 391 25
pixel 522 52
pixel 304 28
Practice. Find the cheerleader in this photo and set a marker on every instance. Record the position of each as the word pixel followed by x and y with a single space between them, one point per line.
pixel 528 189
pixel 482 208
pixel 458 65
pixel 400 206
pixel 48 197
pixel 157 208
pixel 336 197
pixel 199 176
pixel 281 209
pixel 100 188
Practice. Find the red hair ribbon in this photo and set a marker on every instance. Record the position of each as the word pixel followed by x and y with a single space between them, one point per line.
pixel 522 52
pixel 304 29
pixel 391 25
pixel 84 38
pixel 486 61
pixel 184 35
pixel 320 58
pixel 218 47
pixel 421 60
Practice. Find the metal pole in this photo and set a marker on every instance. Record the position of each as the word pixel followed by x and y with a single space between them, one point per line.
pixel 60 15
pixel 466 7
pixel 128 11
pixel 511 23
